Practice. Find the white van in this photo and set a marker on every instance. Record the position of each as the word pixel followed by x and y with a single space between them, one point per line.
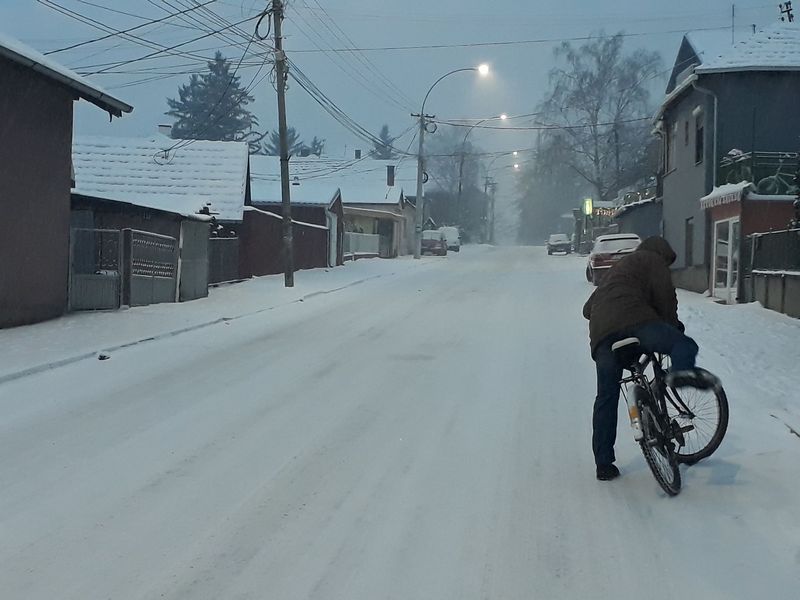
pixel 453 237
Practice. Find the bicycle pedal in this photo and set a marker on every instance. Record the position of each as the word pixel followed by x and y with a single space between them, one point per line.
pixel 686 429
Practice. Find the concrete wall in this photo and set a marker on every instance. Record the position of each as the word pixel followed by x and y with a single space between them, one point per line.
pixel 780 293
pixel 35 155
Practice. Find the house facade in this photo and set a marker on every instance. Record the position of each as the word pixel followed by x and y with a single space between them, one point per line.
pixel 721 97
pixel 35 173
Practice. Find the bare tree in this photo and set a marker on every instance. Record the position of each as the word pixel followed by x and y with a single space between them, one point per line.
pixel 599 104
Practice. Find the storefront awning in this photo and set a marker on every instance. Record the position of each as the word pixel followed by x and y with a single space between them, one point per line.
pixel 725 194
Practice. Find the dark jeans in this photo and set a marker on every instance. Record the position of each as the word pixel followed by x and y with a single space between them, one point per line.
pixel 654 337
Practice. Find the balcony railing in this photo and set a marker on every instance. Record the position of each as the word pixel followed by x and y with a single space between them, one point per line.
pixel 772 173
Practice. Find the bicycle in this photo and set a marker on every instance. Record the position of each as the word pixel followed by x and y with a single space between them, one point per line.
pixel 672 426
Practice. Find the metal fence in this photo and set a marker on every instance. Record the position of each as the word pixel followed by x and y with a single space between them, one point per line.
pixel 95 277
pixel 223 259
pixel 356 244
pixel 770 270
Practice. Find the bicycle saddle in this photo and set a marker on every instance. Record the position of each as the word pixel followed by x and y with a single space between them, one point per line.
pixel 627 342
pixel 628 351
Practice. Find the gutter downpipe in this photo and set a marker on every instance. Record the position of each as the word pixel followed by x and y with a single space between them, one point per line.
pixel 708 92
pixel 709 238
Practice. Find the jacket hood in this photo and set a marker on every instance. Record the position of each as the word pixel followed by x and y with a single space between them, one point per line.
pixel 660 246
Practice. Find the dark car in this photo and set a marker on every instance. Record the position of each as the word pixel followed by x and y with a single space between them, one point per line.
pixel 607 250
pixel 559 242
pixel 434 242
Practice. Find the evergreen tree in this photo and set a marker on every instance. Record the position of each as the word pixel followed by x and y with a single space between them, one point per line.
pixel 317 146
pixel 212 106
pixel 383 148
pixel 273 146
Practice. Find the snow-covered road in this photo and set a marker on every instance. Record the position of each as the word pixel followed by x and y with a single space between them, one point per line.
pixel 423 435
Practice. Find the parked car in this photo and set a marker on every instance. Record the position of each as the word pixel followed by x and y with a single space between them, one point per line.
pixel 559 242
pixel 453 237
pixel 607 250
pixel 434 242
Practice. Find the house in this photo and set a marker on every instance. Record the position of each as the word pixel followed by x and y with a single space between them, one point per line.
pixel 738 210
pixel 370 205
pixel 314 201
pixel 373 192
pixel 639 212
pixel 170 188
pixel 36 128
pixel 724 97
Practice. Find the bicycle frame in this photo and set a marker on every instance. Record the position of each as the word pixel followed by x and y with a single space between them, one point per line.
pixel 656 383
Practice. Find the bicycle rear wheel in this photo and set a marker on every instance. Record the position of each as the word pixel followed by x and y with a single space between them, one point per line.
pixel 659 453
pixel 702 418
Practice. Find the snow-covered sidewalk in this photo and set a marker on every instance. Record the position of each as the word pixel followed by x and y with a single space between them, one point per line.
pixel 755 351
pixel 77 336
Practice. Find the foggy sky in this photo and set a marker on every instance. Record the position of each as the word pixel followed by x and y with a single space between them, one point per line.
pixel 519 71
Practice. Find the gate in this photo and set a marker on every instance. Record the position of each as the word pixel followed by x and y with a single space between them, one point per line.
pixel 152 267
pixel 95 280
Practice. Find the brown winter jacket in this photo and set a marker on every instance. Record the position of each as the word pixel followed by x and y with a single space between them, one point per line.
pixel 637 290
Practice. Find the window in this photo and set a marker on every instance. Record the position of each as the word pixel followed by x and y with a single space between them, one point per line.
pixel 686 133
pixel 699 139
pixel 689 242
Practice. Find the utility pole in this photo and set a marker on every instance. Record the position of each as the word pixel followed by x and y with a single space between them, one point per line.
pixel 420 208
pixel 281 75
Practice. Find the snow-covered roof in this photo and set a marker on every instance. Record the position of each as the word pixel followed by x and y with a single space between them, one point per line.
pixel 774 48
pixel 710 44
pixel 309 193
pixel 26 56
pixel 634 205
pixel 135 170
pixel 361 181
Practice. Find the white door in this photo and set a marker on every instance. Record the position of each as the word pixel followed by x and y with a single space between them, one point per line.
pixel 333 237
pixel 726 259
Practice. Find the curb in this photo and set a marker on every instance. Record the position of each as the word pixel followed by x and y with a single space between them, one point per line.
pixel 8 377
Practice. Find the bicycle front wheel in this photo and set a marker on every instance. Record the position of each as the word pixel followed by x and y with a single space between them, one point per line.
pixel 701 417
pixel 659 452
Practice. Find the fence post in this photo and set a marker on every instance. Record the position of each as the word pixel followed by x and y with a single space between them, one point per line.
pixel 125 266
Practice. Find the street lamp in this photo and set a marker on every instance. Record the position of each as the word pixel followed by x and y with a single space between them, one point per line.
pixel 483 71
pixel 502 117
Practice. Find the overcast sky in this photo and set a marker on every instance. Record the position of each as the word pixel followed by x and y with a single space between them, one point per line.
pixel 519 71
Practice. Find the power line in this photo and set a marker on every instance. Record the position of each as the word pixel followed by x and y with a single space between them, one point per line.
pixel 506 42
pixel 155 54
pixel 390 85
pixel 103 27
pixel 343 64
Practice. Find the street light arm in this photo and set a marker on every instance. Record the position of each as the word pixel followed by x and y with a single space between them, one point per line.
pixel 440 78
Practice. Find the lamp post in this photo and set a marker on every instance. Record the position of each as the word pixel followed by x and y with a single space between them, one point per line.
pixel 462 159
pixel 483 71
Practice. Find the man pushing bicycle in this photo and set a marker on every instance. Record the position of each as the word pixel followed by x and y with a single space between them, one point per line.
pixel 636 299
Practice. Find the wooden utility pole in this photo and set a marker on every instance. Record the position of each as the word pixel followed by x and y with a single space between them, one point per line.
pixel 281 75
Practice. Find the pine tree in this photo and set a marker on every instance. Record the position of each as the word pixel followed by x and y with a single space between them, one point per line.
pixel 212 106
pixel 383 148
pixel 317 146
pixel 273 146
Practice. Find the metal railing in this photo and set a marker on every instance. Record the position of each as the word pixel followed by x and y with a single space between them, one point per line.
pixel 356 244
pixel 772 173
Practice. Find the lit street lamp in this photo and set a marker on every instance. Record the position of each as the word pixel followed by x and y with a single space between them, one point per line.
pixel 483 71
pixel 502 117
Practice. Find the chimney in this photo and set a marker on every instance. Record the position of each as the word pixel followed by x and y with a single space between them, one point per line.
pixel 390 175
pixel 358 153
pixel 165 130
